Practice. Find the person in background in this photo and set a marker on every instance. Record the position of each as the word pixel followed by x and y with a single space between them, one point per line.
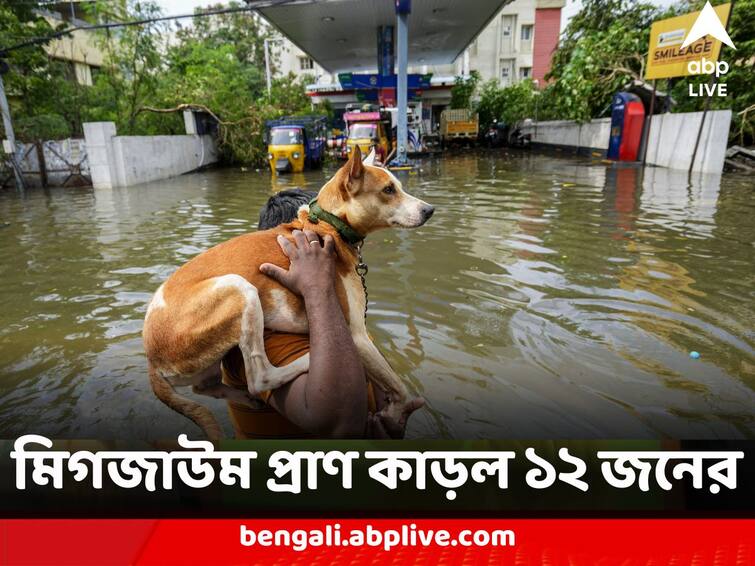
pixel 334 399
pixel 282 207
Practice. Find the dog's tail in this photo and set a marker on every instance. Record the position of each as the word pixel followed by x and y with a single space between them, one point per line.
pixel 200 414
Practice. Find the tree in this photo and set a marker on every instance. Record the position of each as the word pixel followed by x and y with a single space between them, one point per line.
pixel 41 101
pixel 149 75
pixel 133 66
pixel 463 90
pixel 510 104
pixel 605 46
pixel 602 49
pixel 244 31
pixel 218 63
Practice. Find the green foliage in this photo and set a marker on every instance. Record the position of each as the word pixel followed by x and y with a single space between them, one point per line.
pixel 463 90
pixel 289 94
pixel 132 71
pixel 35 83
pixel 240 30
pixel 603 48
pixel 217 63
pixel 508 105
pixel 42 127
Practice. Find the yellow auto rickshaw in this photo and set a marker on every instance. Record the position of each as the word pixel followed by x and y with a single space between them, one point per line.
pixel 296 143
pixel 368 130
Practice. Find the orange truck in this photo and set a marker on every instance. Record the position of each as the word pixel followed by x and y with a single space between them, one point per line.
pixel 458 124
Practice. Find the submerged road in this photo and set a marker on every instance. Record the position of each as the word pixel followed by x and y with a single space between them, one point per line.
pixel 547 298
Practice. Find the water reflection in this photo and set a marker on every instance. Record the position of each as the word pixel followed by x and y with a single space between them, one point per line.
pixel 548 297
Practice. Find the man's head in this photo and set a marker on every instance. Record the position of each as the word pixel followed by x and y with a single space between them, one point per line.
pixel 282 207
pixel 369 198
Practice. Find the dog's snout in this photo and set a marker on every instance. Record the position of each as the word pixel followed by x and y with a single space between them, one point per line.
pixel 427 212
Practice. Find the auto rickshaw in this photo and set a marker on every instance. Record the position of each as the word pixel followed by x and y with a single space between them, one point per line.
pixel 368 130
pixel 296 143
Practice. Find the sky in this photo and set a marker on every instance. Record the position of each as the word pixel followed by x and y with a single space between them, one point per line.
pixel 573 6
pixel 176 7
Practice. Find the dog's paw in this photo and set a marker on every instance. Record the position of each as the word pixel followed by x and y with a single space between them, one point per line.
pixel 395 416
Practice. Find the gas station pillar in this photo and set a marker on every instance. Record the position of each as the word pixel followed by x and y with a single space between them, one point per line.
pixel 403 8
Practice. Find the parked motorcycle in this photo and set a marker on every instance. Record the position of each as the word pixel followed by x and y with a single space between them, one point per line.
pixel 496 134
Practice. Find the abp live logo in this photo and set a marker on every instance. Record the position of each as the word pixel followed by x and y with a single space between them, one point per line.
pixel 708 23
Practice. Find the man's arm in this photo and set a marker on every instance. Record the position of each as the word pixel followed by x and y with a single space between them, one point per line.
pixel 331 399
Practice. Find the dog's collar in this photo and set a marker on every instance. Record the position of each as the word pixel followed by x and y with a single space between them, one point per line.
pixel 316 213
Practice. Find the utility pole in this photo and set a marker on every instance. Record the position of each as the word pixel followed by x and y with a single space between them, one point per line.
pixel 267 65
pixel 268 75
pixel 9 129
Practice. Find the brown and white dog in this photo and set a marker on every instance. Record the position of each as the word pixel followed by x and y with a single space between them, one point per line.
pixel 220 299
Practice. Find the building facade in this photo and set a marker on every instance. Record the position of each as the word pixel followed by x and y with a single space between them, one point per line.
pixel 290 59
pixel 80 49
pixel 517 44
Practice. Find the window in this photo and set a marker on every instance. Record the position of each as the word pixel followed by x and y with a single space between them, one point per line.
pixel 526 33
pixel 525 72
pixel 306 63
pixel 507 72
pixel 508 28
pixel 286 136
pixel 362 131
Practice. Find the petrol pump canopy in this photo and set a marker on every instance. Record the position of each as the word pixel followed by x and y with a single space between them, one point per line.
pixel 341 35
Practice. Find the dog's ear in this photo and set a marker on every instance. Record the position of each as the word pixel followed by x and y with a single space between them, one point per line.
pixel 351 173
pixel 354 166
pixel 370 159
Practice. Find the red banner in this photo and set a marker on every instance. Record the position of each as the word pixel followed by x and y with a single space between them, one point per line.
pixel 518 542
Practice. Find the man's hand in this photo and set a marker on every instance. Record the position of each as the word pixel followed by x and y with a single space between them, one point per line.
pixel 313 264
pixel 330 400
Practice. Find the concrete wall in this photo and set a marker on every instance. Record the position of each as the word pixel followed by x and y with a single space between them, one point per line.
pixel 122 161
pixel 567 133
pixel 671 139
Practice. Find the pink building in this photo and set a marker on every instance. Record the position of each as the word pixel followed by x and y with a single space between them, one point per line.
pixel 547 30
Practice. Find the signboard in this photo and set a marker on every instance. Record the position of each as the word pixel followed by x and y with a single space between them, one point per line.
pixel 385 50
pixel 374 81
pixel 666 56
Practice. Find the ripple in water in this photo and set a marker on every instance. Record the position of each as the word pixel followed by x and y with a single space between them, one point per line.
pixel 546 298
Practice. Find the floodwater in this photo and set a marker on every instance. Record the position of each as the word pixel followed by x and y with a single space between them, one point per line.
pixel 548 297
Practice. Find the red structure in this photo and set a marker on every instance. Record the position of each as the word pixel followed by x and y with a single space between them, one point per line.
pixel 547 29
pixel 633 123
pixel 627 121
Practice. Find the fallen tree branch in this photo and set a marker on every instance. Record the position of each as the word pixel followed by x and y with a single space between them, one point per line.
pixel 181 108
pixel 194 106
pixel 241 137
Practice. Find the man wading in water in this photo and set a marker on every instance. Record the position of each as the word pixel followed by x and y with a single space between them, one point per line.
pixel 334 399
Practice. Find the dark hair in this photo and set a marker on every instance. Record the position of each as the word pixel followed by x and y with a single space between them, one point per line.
pixel 282 207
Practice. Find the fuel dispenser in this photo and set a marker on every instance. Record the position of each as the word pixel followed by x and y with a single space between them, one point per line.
pixel 627 120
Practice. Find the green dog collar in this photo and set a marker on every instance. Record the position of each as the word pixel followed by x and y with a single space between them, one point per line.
pixel 349 235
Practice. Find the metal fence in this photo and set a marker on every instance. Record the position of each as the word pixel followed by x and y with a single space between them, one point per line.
pixel 54 163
